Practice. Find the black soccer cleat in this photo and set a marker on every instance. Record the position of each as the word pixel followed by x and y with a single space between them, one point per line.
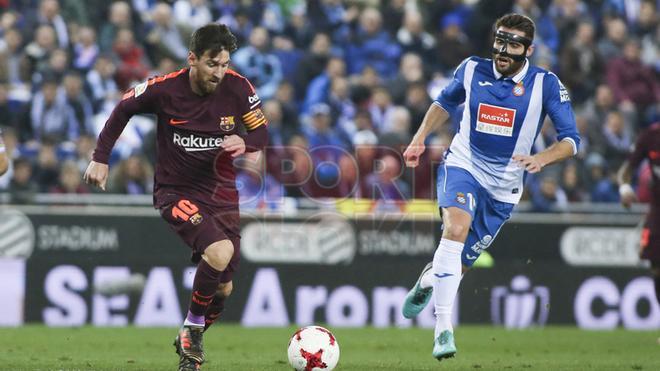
pixel 189 347
pixel 186 364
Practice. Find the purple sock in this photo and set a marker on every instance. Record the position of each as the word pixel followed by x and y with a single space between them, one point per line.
pixel 204 287
pixel 198 320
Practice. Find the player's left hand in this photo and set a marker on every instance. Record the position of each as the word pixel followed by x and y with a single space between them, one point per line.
pixel 530 163
pixel 233 144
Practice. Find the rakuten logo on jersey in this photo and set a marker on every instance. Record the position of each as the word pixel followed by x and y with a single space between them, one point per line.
pixel 495 120
pixel 192 143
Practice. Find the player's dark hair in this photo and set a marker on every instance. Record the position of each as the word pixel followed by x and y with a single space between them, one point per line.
pixel 517 22
pixel 213 37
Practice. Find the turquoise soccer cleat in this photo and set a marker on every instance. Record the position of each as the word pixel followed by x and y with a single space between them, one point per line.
pixel 417 298
pixel 443 346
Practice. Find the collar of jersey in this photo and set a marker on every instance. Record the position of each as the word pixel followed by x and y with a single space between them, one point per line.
pixel 518 77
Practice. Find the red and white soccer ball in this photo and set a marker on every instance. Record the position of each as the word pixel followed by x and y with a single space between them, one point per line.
pixel 313 348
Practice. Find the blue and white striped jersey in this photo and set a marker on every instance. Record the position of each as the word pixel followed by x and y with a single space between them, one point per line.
pixel 502 118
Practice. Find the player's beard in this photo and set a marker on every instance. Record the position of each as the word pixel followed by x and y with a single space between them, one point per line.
pixel 509 67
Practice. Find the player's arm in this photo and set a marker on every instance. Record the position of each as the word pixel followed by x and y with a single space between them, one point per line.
pixel 4 159
pixel 446 103
pixel 141 99
pixel 557 104
pixel 254 121
pixel 624 175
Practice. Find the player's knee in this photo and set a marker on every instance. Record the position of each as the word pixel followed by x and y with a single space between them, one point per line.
pixel 455 231
pixel 224 289
pixel 218 254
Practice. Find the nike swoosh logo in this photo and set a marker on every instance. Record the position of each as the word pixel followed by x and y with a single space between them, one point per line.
pixel 177 122
pixel 443 275
pixel 470 256
pixel 485 83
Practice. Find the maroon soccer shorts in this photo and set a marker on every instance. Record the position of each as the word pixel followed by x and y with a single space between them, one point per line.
pixel 199 226
pixel 650 240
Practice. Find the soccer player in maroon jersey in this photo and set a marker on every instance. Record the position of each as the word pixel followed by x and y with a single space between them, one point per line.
pixel 207 116
pixel 646 147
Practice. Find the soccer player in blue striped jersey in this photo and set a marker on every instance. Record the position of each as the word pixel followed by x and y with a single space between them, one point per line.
pixel 481 180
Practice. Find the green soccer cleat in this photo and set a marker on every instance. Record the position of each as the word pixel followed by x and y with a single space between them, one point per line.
pixel 417 298
pixel 443 346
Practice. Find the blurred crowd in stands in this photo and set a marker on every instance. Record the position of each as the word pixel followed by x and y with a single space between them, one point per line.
pixel 344 85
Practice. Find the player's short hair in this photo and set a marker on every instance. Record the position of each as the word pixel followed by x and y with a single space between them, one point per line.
pixel 213 37
pixel 517 22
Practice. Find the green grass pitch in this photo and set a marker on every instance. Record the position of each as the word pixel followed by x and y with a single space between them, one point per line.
pixel 231 347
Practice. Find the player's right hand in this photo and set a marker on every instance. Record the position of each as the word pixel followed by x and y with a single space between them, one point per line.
pixel 96 174
pixel 414 151
pixel 628 195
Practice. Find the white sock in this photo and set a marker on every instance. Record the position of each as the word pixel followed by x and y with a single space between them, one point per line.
pixel 446 278
pixel 427 279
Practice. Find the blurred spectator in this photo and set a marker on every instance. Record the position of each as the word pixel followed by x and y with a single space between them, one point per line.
pixel 258 64
pixel 417 101
pixel 48 14
pixel 414 39
pixel 425 174
pixel 647 22
pixel 191 14
pixel 48 116
pixel 132 176
pixel 581 65
pixel 611 45
pixel 85 49
pixel 79 104
pixel 132 65
pixel 451 38
pixel 411 70
pixel 571 182
pixel 381 109
pixel 393 14
pixel 313 62
pixel 119 17
pixel 163 35
pixel 38 50
pixel 616 140
pixel 342 108
pixel 101 84
pixel 70 180
pixel 12 68
pixel 47 169
pixel 566 16
pixel 600 184
pixel 22 188
pixel 319 88
pixel 632 82
pixel 320 131
pixel 372 46
pixel 385 182
pixel 546 194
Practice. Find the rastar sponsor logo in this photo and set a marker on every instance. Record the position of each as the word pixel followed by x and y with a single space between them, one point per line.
pixel 495 120
pixel 193 143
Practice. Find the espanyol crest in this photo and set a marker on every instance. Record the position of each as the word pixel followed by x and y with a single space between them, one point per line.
pixel 227 123
pixel 518 89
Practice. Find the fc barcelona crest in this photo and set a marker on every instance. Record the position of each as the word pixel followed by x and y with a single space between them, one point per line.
pixel 227 123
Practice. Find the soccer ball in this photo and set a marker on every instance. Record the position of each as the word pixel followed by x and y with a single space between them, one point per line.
pixel 313 348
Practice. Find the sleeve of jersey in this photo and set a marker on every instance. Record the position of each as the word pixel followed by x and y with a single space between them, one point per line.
pixel 453 95
pixel 254 119
pixel 557 104
pixel 140 99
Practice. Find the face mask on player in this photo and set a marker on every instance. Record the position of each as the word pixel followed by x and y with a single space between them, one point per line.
pixel 504 38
